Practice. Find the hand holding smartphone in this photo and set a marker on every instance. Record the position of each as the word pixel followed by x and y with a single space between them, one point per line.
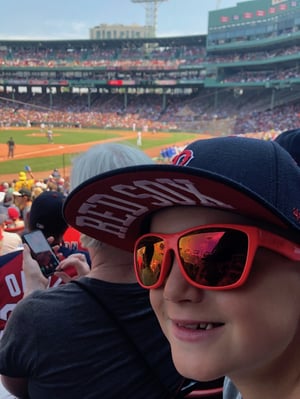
pixel 42 252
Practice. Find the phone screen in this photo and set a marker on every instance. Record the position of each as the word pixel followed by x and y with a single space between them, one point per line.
pixel 42 252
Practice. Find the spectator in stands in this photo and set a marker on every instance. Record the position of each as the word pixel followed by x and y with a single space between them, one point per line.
pixel 223 228
pixel 55 181
pixel 46 215
pixel 13 221
pixel 4 186
pixel 13 285
pixel 99 313
pixel 23 201
pixel 36 191
pixel 8 199
pixel 24 182
pixel 9 242
pixel 290 141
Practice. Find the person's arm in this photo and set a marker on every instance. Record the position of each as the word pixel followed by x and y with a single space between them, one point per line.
pixel 34 278
pixel 78 262
pixel 29 171
pixel 16 386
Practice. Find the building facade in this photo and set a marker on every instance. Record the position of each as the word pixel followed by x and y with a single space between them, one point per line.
pixel 106 32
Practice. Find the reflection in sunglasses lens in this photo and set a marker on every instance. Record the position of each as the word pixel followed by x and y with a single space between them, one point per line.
pixel 149 258
pixel 214 259
pixel 211 258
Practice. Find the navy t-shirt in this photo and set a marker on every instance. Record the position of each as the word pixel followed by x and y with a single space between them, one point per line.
pixel 68 347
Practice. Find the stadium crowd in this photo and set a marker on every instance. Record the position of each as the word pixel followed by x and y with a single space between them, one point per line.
pixel 124 58
pixel 175 57
pixel 182 112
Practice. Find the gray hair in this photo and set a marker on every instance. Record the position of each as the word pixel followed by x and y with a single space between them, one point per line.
pixel 102 158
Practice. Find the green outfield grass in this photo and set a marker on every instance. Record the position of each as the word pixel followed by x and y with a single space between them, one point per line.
pixel 73 136
pixel 61 136
pixel 36 164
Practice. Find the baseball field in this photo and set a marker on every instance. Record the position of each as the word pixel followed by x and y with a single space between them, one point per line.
pixel 33 149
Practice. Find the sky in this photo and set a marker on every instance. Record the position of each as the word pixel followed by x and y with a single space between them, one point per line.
pixel 72 19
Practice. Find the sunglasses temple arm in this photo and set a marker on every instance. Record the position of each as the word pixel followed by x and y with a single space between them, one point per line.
pixel 280 245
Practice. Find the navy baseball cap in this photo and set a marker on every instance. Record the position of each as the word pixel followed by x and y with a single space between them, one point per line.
pixel 248 176
pixel 290 141
pixel 46 214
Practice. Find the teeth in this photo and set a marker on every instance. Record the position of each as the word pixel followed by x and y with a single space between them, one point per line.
pixel 192 326
pixel 201 326
pixel 206 326
pixel 209 326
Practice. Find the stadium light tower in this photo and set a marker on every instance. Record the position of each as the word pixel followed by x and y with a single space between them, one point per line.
pixel 218 3
pixel 151 14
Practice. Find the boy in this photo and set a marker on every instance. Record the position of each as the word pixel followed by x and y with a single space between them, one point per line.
pixel 216 239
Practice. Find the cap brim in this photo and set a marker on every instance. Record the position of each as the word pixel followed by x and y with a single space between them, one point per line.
pixel 113 206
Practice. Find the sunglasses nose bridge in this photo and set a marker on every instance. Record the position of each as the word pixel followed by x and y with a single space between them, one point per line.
pixel 170 243
pixel 172 254
pixel 172 266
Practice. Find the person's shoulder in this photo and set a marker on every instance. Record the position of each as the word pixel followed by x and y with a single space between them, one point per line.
pixel 95 282
pixel 53 297
pixel 127 296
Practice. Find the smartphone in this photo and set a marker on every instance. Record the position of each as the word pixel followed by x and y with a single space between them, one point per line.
pixel 42 252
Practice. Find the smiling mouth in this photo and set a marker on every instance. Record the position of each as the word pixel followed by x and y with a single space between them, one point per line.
pixel 200 326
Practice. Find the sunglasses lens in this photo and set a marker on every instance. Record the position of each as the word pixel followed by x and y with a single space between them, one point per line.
pixel 214 258
pixel 149 256
pixel 210 258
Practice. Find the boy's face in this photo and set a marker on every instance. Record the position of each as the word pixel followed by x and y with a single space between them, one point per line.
pixel 241 332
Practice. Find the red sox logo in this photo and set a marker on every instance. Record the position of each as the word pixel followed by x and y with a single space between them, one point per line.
pixel 184 158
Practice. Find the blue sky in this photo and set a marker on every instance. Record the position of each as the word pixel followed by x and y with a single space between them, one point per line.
pixel 71 19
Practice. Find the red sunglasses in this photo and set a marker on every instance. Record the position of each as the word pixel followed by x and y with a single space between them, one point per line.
pixel 214 257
